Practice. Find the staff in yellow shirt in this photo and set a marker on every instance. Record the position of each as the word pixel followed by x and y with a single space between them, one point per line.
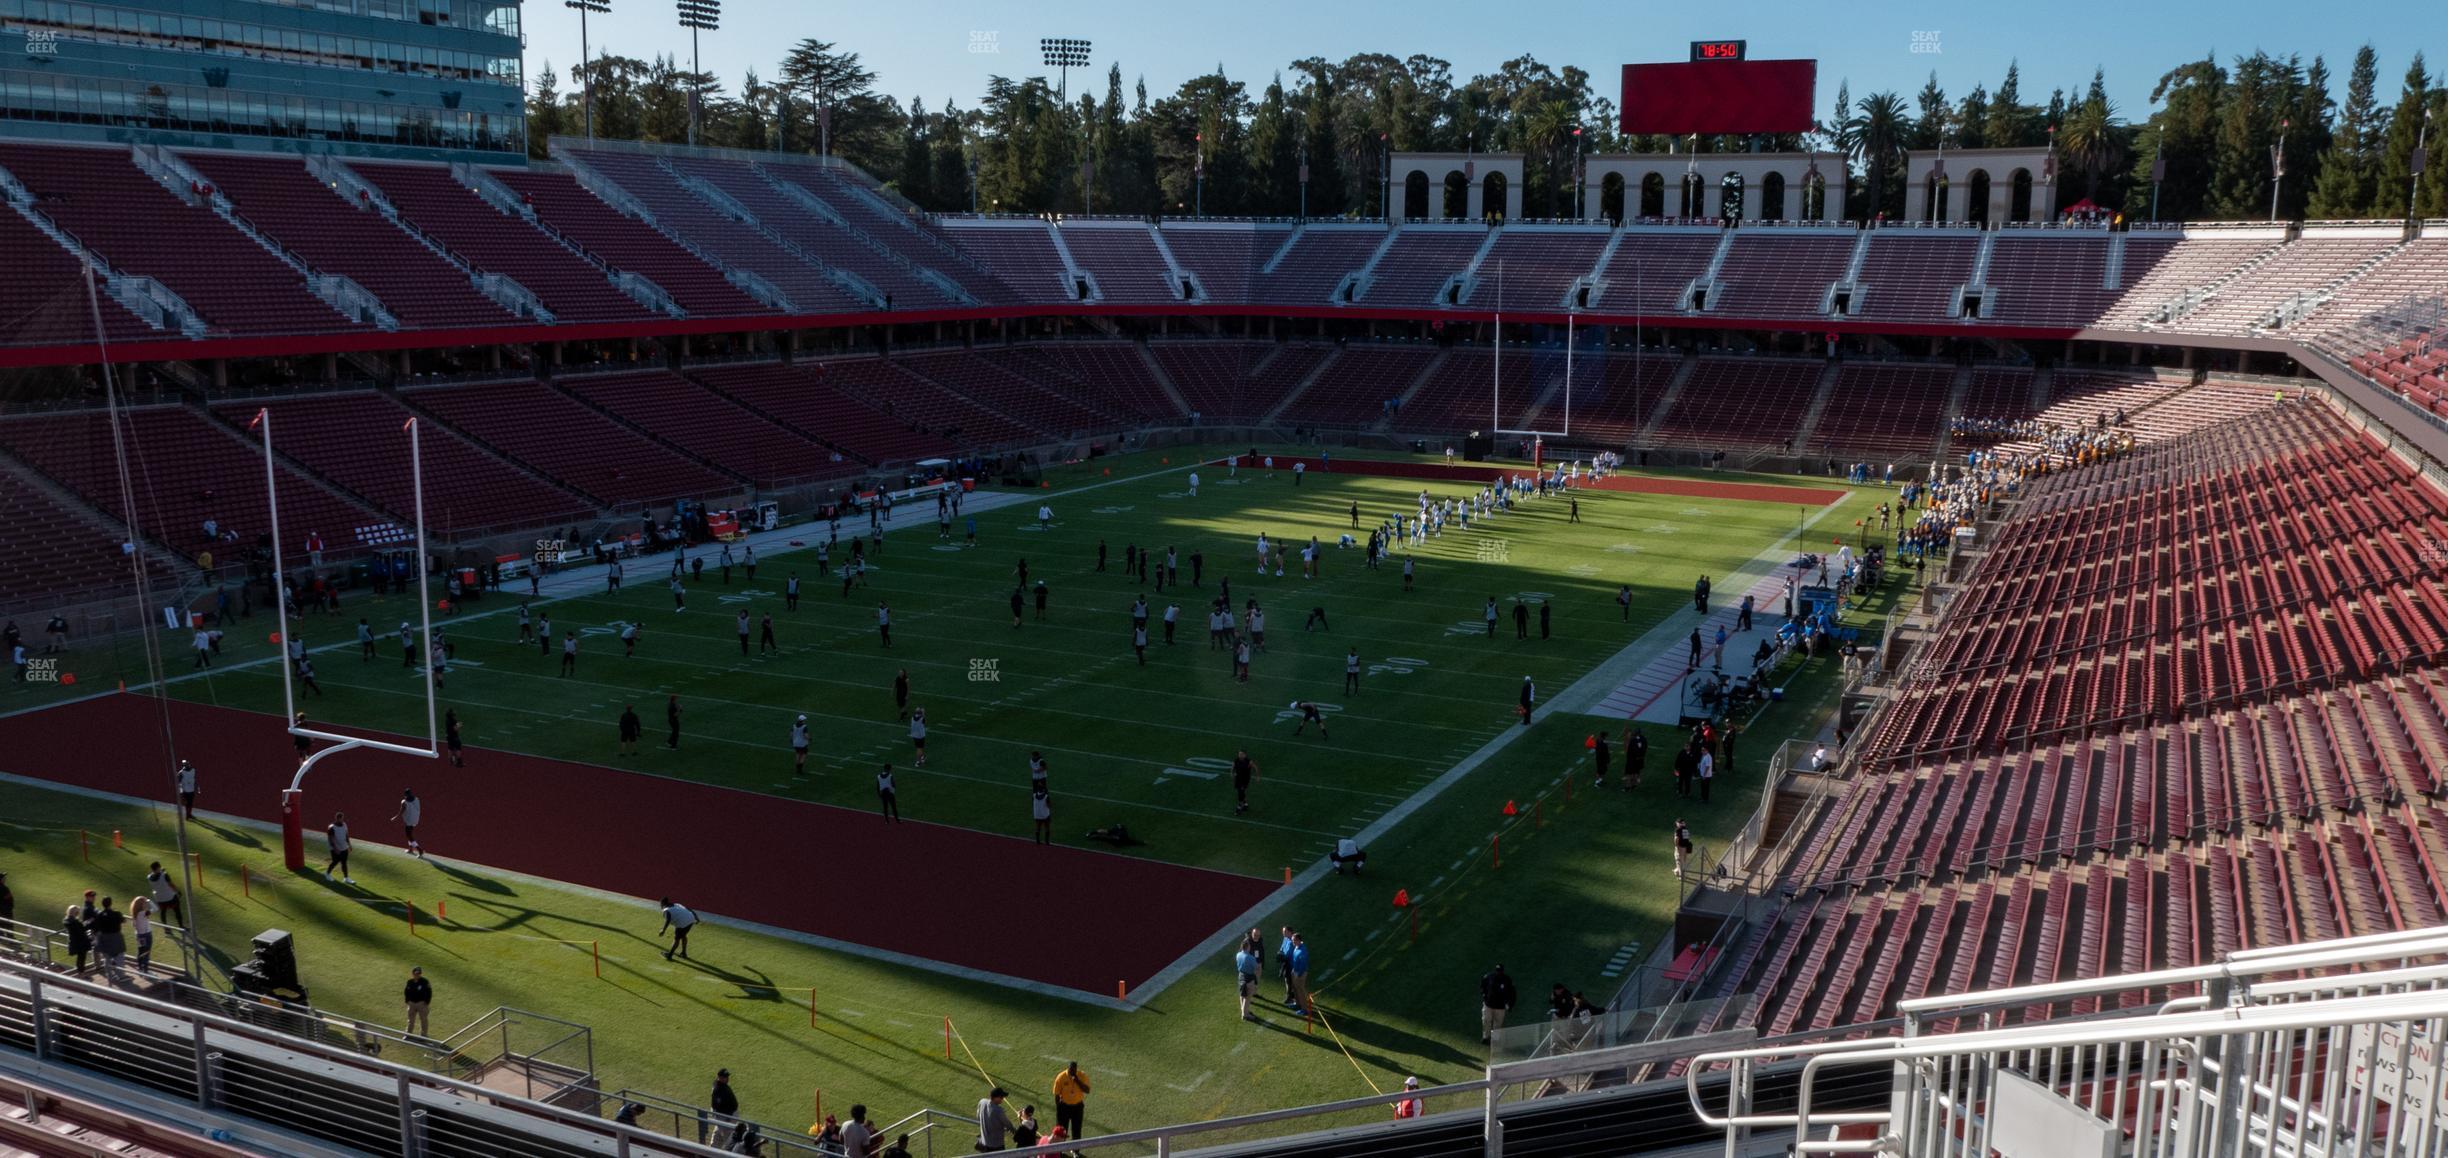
pixel 1071 1100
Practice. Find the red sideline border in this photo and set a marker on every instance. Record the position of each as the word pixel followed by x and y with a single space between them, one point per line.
pixel 925 894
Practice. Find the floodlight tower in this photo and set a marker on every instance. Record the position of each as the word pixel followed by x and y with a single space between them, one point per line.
pixel 585 55
pixel 1064 54
pixel 698 16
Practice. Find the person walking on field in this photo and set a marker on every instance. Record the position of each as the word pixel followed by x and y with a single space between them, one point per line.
pixel 417 996
pixel 765 641
pixel 1529 699
pixel 1521 619
pixel 336 838
pixel 888 801
pixel 1041 812
pixel 1496 998
pixel 1682 844
pixel 1244 770
pixel 186 781
pixel 1491 617
pixel 678 919
pixel 671 715
pixel 165 894
pixel 411 810
pixel 569 652
pixel 1071 1100
pixel 884 622
pixel 917 735
pixel 630 728
pixel 1600 757
pixel 799 745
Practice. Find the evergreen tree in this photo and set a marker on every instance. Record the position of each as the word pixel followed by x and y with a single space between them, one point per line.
pixel 2248 118
pixel 1321 150
pixel 2009 118
pixel 2350 170
pixel 663 106
pixel 948 158
pixel 1972 119
pixel 544 113
pixel 1931 124
pixel 917 170
pixel 2396 173
pixel 2184 136
pixel 1274 154
pixel 2307 140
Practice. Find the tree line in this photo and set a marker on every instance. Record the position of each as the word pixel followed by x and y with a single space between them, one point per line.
pixel 2218 136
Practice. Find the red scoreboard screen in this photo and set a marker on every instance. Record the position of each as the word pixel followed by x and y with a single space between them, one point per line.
pixel 1719 94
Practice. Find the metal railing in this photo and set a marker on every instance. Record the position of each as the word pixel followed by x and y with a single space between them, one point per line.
pixel 258 1083
pixel 2266 1058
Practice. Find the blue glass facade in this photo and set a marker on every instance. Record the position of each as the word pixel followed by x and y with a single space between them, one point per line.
pixel 409 78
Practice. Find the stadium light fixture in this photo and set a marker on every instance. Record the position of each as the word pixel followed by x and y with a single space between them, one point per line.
pixel 586 55
pixel 1063 54
pixel 698 16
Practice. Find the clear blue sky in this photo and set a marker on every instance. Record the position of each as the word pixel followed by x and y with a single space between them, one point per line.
pixel 924 47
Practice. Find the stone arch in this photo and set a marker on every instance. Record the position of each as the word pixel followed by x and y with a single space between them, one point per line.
pixel 2020 203
pixel 1730 201
pixel 1456 204
pixel 1693 195
pixel 1652 195
pixel 1415 195
pixel 1492 196
pixel 1611 198
pixel 1936 190
pixel 1772 197
pixel 1976 196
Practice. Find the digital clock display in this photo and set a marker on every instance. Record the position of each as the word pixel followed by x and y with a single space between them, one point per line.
pixel 1717 49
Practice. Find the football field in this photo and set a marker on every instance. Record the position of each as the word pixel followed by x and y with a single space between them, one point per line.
pixel 823 987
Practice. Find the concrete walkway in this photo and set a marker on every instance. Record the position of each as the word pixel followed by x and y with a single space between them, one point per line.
pixel 1640 681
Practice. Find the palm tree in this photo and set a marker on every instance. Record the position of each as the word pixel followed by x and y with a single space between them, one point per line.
pixel 1546 131
pixel 2091 143
pixel 1878 129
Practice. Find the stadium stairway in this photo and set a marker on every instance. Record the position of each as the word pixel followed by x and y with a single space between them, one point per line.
pixel 1666 401
pixel 567 390
pixel 1816 411
pixel 1300 389
pixel 1163 380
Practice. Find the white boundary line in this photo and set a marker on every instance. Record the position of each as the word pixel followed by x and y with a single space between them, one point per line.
pixel 1584 693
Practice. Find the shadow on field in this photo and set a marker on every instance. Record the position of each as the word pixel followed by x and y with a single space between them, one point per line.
pixel 230 833
pixel 472 880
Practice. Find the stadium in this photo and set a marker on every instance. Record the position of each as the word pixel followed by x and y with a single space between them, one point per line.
pixel 1803 623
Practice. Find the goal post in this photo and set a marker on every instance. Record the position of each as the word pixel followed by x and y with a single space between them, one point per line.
pixel 1496 403
pixel 292 803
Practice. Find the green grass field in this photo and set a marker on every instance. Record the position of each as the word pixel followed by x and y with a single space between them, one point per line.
pixel 1128 744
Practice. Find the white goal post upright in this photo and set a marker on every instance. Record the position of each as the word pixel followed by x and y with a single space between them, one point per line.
pixel 293 841
pixel 1496 386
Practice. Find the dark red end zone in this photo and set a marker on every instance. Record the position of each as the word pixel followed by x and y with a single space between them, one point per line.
pixel 1473 472
pixel 926 890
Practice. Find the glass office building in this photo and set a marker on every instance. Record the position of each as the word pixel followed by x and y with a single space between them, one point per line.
pixel 409 78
